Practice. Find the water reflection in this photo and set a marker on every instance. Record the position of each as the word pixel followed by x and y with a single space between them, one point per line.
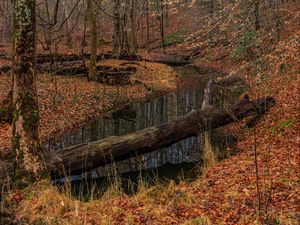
pixel 137 117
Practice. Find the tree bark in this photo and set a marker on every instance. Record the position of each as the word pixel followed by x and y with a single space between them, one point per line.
pixel 26 140
pixel 93 37
pixel 82 158
pixel 68 25
pixel 256 14
pixel 117 31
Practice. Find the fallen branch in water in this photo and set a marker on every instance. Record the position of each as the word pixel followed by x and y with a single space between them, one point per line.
pixel 75 160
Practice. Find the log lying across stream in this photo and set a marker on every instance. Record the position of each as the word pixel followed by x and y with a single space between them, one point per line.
pixel 82 158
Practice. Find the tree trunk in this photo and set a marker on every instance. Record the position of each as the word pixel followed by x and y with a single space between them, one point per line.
pixel 148 24
pixel 93 42
pixel 256 14
pixel 116 34
pixel 68 25
pixel 134 25
pixel 161 22
pixel 26 140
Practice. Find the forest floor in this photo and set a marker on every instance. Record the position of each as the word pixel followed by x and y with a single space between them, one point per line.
pixel 226 193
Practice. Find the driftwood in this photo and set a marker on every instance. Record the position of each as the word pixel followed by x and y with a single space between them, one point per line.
pixel 78 159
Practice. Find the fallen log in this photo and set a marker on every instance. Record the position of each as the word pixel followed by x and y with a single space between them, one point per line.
pixel 48 58
pixel 82 158
pixel 104 74
pixel 171 61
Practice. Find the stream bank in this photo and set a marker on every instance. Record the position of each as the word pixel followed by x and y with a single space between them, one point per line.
pixel 180 161
pixel 67 102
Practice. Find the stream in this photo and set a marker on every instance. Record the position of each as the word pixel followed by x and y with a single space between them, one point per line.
pixel 177 162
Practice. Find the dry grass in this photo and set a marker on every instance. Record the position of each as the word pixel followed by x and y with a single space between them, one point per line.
pixel 44 204
pixel 209 158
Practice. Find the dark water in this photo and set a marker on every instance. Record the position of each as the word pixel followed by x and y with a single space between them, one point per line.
pixel 175 162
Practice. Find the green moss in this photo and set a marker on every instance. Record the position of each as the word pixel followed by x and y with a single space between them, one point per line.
pixel 283 126
pixel 289 181
pixel 30 112
pixel 16 143
pixel 15 117
pixel 198 221
pixel 175 37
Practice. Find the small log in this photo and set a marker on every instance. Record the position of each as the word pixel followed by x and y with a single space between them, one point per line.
pixel 172 61
pixel 105 74
pixel 47 58
pixel 82 158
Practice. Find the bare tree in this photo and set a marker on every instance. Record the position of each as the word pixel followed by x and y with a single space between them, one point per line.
pixel 117 32
pixel 93 41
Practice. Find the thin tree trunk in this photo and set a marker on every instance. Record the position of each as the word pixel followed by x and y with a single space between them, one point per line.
pixel 83 43
pixel 160 9
pixel 116 34
pixel 134 25
pixel 256 14
pixel 148 31
pixel 93 42
pixel 277 20
pixel 68 26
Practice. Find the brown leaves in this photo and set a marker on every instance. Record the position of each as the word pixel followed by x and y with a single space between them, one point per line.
pixel 67 102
